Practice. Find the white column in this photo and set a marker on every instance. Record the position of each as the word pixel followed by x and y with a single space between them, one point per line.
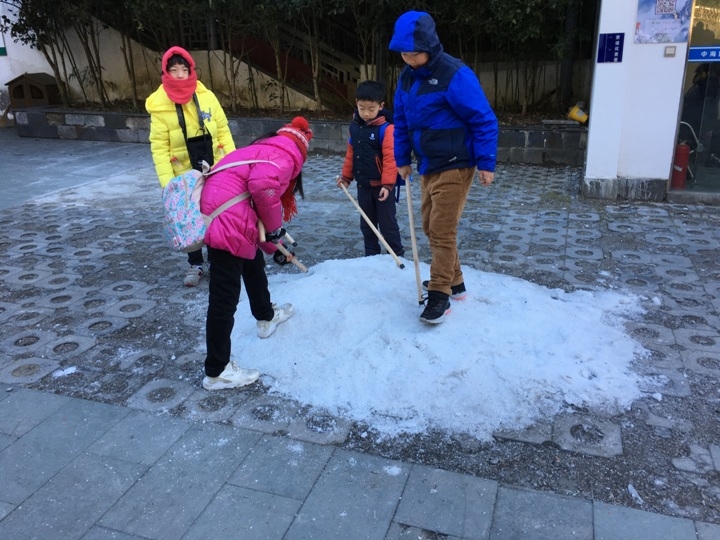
pixel 633 112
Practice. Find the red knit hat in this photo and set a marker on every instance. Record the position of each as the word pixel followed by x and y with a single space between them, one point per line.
pixel 299 132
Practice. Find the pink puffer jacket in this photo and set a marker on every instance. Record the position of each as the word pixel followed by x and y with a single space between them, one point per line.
pixel 235 230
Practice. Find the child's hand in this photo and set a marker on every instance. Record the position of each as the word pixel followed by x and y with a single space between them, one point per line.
pixel 384 192
pixel 405 171
pixel 340 181
pixel 486 177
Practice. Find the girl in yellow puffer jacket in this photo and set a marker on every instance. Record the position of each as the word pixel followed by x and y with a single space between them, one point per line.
pixel 185 118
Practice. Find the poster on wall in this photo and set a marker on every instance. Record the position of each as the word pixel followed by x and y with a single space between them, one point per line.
pixel 663 21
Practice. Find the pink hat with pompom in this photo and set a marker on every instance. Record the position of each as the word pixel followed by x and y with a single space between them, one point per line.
pixel 299 131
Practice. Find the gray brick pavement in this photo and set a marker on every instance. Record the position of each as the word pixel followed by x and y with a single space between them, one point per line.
pixel 137 451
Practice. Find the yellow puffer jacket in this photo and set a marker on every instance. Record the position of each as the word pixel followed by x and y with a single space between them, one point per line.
pixel 167 143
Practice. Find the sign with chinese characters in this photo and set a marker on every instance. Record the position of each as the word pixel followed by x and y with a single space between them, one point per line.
pixel 704 54
pixel 663 21
pixel 610 47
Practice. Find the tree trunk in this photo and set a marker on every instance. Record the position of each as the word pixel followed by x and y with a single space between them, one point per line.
pixel 567 63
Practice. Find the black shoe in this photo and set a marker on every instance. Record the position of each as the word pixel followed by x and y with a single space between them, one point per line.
pixel 457 292
pixel 436 306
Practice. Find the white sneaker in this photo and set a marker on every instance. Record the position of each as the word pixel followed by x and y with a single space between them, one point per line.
pixel 282 314
pixel 233 376
pixel 193 275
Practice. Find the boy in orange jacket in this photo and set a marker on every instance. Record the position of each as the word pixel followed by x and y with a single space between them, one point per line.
pixel 370 161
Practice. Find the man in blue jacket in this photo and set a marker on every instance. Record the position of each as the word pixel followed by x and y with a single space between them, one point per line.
pixel 444 118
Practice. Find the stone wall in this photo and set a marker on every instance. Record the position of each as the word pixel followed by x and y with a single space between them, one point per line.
pixel 557 144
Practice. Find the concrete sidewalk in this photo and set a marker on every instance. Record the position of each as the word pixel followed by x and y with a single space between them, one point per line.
pixel 96 448
pixel 73 468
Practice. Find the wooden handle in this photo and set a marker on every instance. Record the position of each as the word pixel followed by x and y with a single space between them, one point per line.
pixel 292 258
pixel 372 227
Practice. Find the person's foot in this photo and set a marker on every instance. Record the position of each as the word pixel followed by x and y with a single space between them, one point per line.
pixel 282 314
pixel 233 376
pixel 437 306
pixel 457 292
pixel 193 275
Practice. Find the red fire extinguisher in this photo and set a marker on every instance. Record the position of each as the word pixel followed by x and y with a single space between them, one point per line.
pixel 680 166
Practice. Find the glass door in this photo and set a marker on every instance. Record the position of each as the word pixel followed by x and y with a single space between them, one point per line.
pixel 700 117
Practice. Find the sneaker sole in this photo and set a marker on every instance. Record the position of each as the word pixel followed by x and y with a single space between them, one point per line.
pixel 436 321
pixel 224 386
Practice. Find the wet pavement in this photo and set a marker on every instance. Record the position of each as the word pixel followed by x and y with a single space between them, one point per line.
pixel 106 432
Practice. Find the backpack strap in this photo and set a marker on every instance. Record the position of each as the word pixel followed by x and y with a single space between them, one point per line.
pixel 181 117
pixel 227 204
pixel 207 171
pixel 381 133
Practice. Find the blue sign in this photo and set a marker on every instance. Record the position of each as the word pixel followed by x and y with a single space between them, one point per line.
pixel 704 54
pixel 610 48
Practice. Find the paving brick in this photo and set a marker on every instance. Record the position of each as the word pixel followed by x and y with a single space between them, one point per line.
pixel 541 516
pixel 23 409
pixel 140 437
pixel 168 499
pixel 243 513
pixel 72 501
pixel 620 523
pixel 282 466
pixel 447 503
pixel 355 497
pixel 45 450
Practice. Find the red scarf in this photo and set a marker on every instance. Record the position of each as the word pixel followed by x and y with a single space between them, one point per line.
pixel 180 91
pixel 288 202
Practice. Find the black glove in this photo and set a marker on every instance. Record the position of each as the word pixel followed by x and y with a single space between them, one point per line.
pixel 275 235
pixel 280 258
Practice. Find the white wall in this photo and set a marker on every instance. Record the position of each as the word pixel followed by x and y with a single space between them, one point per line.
pixel 634 105
pixel 20 59
pixel 23 59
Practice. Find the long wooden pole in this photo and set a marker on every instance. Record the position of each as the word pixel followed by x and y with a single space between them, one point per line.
pixel 374 229
pixel 413 239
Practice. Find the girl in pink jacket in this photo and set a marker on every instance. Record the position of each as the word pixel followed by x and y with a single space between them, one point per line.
pixel 234 247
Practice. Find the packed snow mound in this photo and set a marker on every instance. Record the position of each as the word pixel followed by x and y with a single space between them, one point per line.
pixel 510 353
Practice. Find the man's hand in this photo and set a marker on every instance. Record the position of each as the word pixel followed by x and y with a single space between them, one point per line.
pixel 340 181
pixel 384 192
pixel 486 177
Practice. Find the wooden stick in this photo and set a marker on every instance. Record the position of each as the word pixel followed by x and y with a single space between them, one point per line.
pixel 374 229
pixel 282 249
pixel 290 239
pixel 413 239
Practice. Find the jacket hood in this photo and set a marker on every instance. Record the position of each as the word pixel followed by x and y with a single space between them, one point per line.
pixel 415 32
pixel 180 51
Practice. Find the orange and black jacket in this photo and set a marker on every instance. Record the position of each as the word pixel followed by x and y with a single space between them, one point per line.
pixel 370 159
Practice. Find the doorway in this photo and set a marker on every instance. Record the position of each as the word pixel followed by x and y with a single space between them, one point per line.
pixel 700 117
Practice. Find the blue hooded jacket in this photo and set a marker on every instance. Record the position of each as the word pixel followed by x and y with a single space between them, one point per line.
pixel 441 112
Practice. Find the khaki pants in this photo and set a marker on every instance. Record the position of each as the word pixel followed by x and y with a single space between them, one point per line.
pixel 443 199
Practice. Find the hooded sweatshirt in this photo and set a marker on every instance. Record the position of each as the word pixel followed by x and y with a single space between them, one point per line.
pixel 441 112
pixel 167 142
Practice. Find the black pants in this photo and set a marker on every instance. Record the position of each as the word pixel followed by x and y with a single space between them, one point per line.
pixel 227 270
pixel 195 258
pixel 382 215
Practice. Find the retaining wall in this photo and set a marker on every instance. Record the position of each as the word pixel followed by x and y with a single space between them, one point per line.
pixel 561 144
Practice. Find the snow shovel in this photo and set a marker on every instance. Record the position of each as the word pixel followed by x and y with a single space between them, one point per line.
pixel 282 249
pixel 374 229
pixel 413 239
